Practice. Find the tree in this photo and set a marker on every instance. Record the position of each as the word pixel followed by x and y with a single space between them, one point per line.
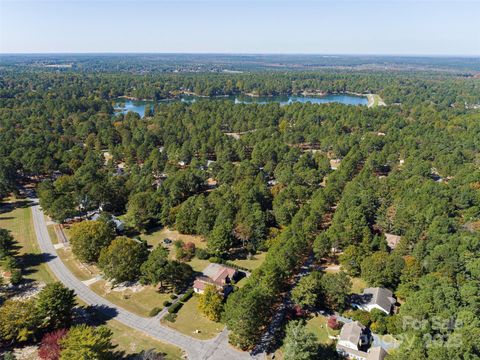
pixel 246 313
pixel 220 239
pixel 122 259
pixel 153 270
pixel 382 269
pixel 142 210
pixel 88 238
pixel 335 289
pixel 55 305
pixel 50 345
pixel 351 259
pixel 18 320
pixel 87 342
pixel 299 343
pixel 6 243
pixel 210 303
pixel 178 275
pixel 308 290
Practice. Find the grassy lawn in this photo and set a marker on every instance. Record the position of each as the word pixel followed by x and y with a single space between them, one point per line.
pixel 17 217
pixel 253 263
pixel 131 341
pixel 80 270
pixel 156 237
pixel 318 326
pixel 375 100
pixel 189 319
pixel 198 265
pixel 52 234
pixel 139 303
pixel 358 285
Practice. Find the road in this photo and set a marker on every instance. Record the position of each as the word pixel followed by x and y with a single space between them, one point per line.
pixel 214 349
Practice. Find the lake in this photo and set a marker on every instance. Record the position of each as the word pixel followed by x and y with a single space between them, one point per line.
pixel 123 106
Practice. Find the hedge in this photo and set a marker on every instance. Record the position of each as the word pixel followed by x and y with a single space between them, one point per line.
pixel 175 307
pixel 155 311
pixel 187 295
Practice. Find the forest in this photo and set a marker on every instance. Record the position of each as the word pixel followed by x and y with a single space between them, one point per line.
pixel 411 168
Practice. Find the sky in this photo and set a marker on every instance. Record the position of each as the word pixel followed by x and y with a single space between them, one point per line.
pixel 393 27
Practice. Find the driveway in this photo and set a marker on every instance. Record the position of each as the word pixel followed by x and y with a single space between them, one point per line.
pixel 215 349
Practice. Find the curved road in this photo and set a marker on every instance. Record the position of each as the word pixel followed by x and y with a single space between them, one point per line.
pixel 215 349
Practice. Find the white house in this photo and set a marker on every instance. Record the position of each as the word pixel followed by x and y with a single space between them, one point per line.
pixel 375 298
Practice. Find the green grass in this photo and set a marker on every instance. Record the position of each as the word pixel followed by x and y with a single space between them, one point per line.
pixel 140 303
pixel 358 285
pixel 318 326
pixel 189 319
pixel 375 100
pixel 132 341
pixel 52 234
pixel 157 236
pixel 18 220
pixel 77 268
pixel 197 264
pixel 253 263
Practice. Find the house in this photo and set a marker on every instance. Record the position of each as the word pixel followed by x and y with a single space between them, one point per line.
pixel 217 275
pixel 354 342
pixel 392 240
pixel 335 163
pixel 119 226
pixel 375 298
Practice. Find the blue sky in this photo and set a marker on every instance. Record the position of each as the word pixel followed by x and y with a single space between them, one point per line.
pixel 407 27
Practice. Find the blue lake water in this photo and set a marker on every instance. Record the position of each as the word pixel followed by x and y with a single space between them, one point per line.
pixel 123 106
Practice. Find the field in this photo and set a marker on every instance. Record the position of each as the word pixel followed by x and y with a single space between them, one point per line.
pixel 358 285
pixel 16 216
pixel 189 320
pixel 138 302
pixel 131 341
pixel 375 100
pixel 156 237
pixel 318 326
pixel 252 263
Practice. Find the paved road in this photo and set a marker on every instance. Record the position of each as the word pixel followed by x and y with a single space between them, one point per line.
pixel 215 349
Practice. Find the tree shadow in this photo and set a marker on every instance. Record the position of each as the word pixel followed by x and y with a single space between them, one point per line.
pixel 10 206
pixel 95 315
pixel 29 261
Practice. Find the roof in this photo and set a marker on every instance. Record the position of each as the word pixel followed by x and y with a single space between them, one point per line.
pixel 379 296
pixel 392 240
pixel 201 282
pixel 376 353
pixel 352 332
pixel 218 272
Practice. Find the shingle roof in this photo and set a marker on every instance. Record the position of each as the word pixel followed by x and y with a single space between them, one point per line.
pixel 352 332
pixel 379 296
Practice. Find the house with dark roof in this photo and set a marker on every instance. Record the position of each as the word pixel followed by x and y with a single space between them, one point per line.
pixel 354 341
pixel 217 275
pixel 374 298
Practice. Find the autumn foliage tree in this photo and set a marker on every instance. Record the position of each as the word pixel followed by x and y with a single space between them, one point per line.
pixel 50 346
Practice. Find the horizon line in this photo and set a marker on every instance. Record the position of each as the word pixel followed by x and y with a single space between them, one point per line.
pixel 236 53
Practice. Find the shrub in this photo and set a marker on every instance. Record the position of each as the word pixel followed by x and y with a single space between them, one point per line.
pixel 215 259
pixel 202 254
pixel 175 307
pixel 50 348
pixel 167 303
pixel 16 276
pixel 187 295
pixel 178 244
pixel 154 311
pixel 173 296
pixel 171 317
